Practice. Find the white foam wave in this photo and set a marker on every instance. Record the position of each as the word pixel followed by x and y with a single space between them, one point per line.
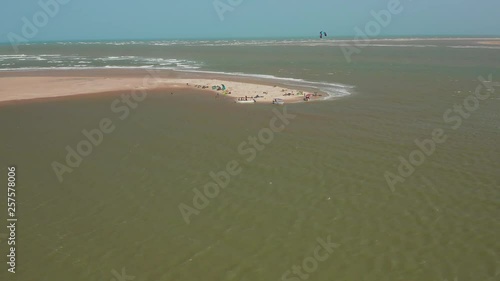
pixel 334 90
pixel 49 60
pixel 475 47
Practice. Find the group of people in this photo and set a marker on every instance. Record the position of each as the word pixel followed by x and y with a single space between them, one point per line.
pixel 244 98
pixel 199 86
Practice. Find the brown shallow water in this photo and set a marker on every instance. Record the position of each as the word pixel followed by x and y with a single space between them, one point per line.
pixel 323 176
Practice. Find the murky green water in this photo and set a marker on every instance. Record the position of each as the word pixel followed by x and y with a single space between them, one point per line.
pixel 322 176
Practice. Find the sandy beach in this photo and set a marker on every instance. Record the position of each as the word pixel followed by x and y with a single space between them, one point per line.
pixel 16 86
pixel 491 42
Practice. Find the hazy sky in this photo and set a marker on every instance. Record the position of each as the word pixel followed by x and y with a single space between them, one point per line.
pixel 164 19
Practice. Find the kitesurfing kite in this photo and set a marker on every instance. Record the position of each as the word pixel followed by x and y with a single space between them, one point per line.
pixel 322 33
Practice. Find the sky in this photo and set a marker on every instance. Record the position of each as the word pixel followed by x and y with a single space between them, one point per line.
pixel 66 20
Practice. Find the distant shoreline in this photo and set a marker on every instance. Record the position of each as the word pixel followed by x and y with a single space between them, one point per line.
pixel 339 38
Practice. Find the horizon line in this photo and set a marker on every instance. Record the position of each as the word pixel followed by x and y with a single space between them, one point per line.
pixel 463 36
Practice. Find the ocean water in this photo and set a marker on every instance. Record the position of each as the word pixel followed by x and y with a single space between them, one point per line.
pixel 323 177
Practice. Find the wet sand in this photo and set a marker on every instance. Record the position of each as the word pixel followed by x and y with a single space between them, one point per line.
pixel 50 84
pixel 496 43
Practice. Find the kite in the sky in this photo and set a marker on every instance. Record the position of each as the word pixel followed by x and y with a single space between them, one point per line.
pixel 322 33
